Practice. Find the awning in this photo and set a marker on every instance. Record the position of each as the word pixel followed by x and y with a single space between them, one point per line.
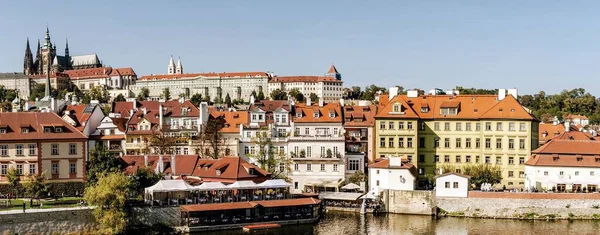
pixel 351 186
pixel 339 196
pixel 244 184
pixel 169 186
pixel 276 183
pixel 369 195
pixel 207 186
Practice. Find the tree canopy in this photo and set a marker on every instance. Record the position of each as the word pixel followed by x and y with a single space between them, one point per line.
pixel 196 99
pixel 36 185
pixel 480 173
pixel 144 94
pixel 108 197
pixel 278 94
pixel 100 162
pixel 119 98
pixel 166 94
pixel 576 101
pixel 261 95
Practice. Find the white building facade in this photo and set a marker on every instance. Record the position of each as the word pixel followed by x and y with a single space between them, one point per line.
pixel 328 88
pixel 391 174
pixel 452 185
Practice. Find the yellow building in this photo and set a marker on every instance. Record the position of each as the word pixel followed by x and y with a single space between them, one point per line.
pixel 432 130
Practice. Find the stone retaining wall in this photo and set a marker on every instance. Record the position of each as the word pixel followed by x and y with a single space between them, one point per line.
pixel 510 208
pixel 50 222
pixel 478 194
pixel 170 216
pixel 409 202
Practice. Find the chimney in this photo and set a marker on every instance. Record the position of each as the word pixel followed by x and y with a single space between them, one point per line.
pixel 567 125
pixel 146 160
pixel 342 102
pixel 52 104
pixel 393 92
pixel 308 103
pixel 395 161
pixel 251 100
pixel 513 92
pixel 412 94
pixel 501 94
pixel 172 164
pixel 181 100
pixel 441 171
pixel 27 107
pixel 160 165
pixel 160 116
pixel 144 110
pixel 94 102
pixel 321 102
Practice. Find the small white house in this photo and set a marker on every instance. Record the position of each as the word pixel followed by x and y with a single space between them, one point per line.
pixel 391 174
pixel 452 185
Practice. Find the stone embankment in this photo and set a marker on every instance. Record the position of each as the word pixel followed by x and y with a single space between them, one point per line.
pixel 522 206
pixel 48 221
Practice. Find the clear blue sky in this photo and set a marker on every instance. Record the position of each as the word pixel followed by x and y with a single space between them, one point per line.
pixel 530 45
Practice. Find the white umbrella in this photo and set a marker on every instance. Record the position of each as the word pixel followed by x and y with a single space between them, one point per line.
pixel 350 186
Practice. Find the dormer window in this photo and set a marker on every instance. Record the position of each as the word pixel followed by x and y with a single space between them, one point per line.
pixel 59 129
pixel 299 115
pixel 331 114
pixel 184 111
pixel 424 109
pixel 397 108
pixel 218 172
pixel 448 111
pixel 251 171
pixel 316 115
pixel 24 130
pixel 2 130
pixel 47 129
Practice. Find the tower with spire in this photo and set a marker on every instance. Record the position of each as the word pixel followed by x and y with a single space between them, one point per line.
pixel 28 67
pixel 179 69
pixel 171 66
pixel 67 49
pixel 48 52
pixel 333 72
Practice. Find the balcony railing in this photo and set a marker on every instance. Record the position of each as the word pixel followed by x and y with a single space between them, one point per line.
pixel 135 145
pixel 318 138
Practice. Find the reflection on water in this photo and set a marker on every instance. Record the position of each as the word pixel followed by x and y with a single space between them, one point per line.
pixel 355 224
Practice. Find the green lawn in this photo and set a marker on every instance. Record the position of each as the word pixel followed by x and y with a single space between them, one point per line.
pixel 60 203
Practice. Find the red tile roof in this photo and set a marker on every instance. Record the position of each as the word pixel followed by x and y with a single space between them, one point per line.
pixel 548 131
pixel 184 164
pixel 76 113
pixel 175 109
pixel 359 116
pixel 469 107
pixel 209 75
pixel 36 123
pixel 332 70
pixel 570 149
pixel 304 79
pixel 231 168
pixel 385 164
pixel 233 118
pixel 250 205
pixel 308 113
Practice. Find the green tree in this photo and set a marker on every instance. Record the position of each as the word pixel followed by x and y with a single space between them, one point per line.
pixel 371 91
pixel 228 100
pixel 108 197
pixel 211 137
pixel 162 143
pixel 120 98
pixel 144 94
pixel 278 94
pixel 196 99
pixel 100 162
pixel 314 97
pixel 480 173
pixel 143 178
pixel 36 185
pixel 269 158
pixel 166 94
pixel 14 180
pixel 98 93
pixel 358 177
pixel 297 95
pixel 476 91
pixel 253 94
pixel 261 95
pixel 38 91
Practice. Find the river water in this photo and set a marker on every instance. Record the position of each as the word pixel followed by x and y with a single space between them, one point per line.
pixel 356 224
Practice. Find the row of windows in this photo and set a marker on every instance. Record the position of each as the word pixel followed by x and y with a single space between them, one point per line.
pixel 576 173
pixel 19 168
pixel 458 143
pixel 458 126
pixel 309 167
pixel 392 125
pixel 473 159
pixel 19 149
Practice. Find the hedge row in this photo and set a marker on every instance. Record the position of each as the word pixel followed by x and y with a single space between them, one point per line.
pixel 55 189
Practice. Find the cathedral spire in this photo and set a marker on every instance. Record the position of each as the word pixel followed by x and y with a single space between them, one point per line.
pixel 47 44
pixel 179 66
pixel 28 62
pixel 67 48
pixel 171 66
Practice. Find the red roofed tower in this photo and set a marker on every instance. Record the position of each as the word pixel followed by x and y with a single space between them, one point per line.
pixel 332 72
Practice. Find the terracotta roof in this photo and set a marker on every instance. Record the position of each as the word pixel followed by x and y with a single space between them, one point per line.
pixel 572 116
pixel 184 164
pixel 53 75
pixel 76 112
pixel 125 71
pixel 332 70
pixel 270 105
pixel 550 130
pixel 469 107
pixel 359 116
pixel 235 168
pixel 208 75
pixel 564 160
pixel 91 73
pixel 385 164
pixel 304 79
pixel 121 123
pixel 36 122
pixel 233 118
pixel 250 205
pixel 308 113
pixel 175 109
pixel 569 146
pixel 453 173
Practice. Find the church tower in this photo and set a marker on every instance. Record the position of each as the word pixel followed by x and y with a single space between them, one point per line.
pixel 171 66
pixel 28 68
pixel 332 72
pixel 48 54
pixel 179 66
pixel 38 58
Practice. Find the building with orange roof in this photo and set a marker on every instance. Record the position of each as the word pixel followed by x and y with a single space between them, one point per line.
pixel 577 120
pixel 108 77
pixel 359 123
pixel 392 174
pixel 569 162
pixel 239 85
pixel 316 146
pixel 328 87
pixel 432 130
pixel 41 143
pixel 230 133
pixel 111 134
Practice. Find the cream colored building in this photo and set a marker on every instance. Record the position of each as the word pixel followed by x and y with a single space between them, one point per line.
pixel 35 143
pixel 328 88
pixel 16 81
pixel 239 85
pixel 433 130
